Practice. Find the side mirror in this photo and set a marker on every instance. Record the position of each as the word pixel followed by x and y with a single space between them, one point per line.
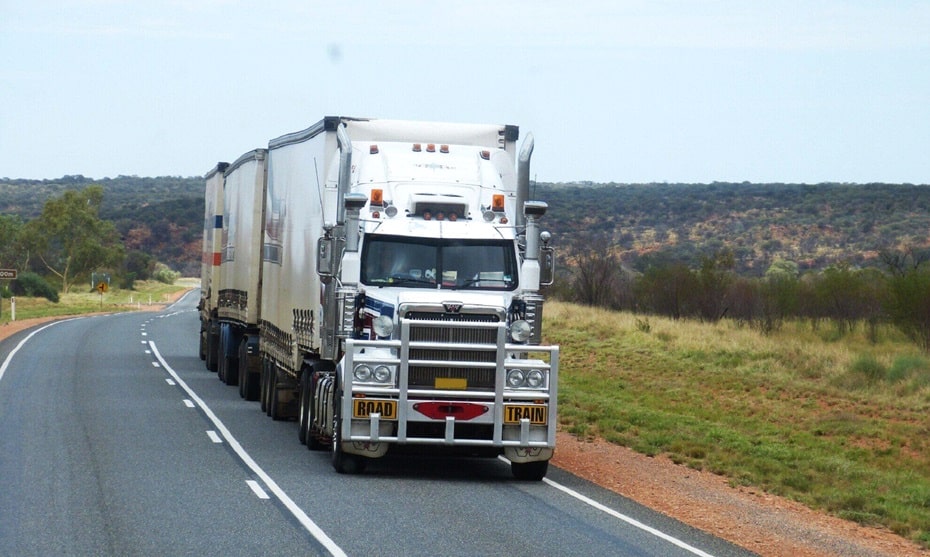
pixel 325 262
pixel 546 265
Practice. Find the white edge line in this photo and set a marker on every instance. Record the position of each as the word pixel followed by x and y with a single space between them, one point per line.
pixel 9 357
pixel 272 486
pixel 627 519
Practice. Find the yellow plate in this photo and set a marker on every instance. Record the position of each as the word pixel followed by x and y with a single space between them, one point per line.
pixel 536 414
pixel 451 383
pixel 363 408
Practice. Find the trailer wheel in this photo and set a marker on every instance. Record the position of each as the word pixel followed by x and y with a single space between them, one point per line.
pixel 221 357
pixel 529 471
pixel 275 410
pixel 263 385
pixel 203 344
pixel 343 462
pixel 304 412
pixel 212 341
pixel 248 381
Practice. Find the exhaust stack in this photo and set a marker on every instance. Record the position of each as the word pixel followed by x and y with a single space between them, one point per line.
pixel 523 178
pixel 345 172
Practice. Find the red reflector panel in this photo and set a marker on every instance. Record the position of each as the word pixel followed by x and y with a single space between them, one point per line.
pixel 459 410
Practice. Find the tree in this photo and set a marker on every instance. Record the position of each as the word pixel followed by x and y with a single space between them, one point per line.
pixel 70 239
pixel 12 256
pixel 909 304
pixel 596 273
pixel 668 290
pixel 714 277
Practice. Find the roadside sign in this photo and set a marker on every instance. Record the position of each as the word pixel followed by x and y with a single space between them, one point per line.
pixel 7 274
pixel 102 287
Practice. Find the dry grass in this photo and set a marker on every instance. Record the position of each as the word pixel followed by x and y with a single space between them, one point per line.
pixel 834 421
pixel 81 302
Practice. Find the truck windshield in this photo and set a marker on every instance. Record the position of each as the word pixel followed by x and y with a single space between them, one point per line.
pixel 431 263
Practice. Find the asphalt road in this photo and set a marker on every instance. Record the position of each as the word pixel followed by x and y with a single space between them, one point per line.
pixel 115 440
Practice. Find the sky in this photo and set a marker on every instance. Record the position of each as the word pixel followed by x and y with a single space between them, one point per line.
pixel 638 91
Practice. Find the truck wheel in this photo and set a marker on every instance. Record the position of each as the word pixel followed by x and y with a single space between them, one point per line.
pixel 529 471
pixel 344 463
pixel 304 412
pixel 263 385
pixel 248 381
pixel 203 345
pixel 231 367
pixel 212 341
pixel 275 411
pixel 221 358
pixel 312 438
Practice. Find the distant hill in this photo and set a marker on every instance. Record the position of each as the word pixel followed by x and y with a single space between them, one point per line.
pixel 160 216
pixel 813 225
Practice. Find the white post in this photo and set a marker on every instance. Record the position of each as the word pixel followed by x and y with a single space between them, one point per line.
pixel 13 308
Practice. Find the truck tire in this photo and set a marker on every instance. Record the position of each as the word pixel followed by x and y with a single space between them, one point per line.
pixel 311 435
pixel 248 381
pixel 275 408
pixel 343 462
pixel 529 471
pixel 231 367
pixel 203 344
pixel 221 358
pixel 263 385
pixel 303 414
pixel 212 342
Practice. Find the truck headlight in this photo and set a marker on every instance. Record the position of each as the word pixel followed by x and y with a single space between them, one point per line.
pixel 383 326
pixel 520 330
pixel 382 374
pixel 535 379
pixel 362 373
pixel 515 378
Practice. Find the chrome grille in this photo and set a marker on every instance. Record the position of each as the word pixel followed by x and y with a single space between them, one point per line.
pixel 424 376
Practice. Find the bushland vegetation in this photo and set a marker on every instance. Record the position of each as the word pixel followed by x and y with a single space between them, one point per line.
pixel 840 297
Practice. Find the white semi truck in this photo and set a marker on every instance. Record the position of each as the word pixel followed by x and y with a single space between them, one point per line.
pixel 399 281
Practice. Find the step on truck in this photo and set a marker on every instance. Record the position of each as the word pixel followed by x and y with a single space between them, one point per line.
pixel 400 306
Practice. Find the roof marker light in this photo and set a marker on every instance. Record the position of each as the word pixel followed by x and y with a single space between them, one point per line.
pixel 443 148
pixel 417 147
pixel 486 155
pixel 430 147
pixel 373 150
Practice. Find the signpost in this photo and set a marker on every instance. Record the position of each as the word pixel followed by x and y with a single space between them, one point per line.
pixel 8 274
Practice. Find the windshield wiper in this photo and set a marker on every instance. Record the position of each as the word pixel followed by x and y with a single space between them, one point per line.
pixel 406 279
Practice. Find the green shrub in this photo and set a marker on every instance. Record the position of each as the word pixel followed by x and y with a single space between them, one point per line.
pixel 164 274
pixel 869 367
pixel 31 284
